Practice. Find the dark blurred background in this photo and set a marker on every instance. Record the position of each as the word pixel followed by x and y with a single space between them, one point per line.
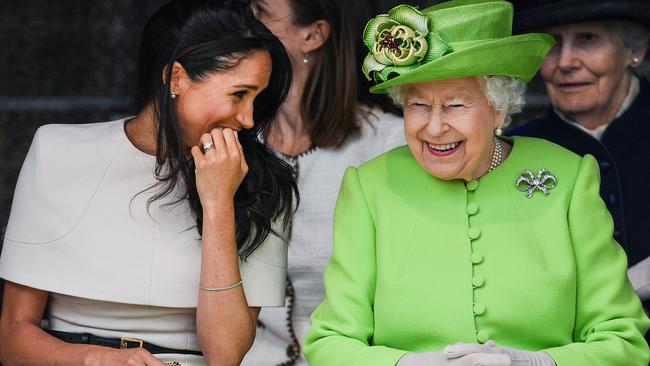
pixel 66 61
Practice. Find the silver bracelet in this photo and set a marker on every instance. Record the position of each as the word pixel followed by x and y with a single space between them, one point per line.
pixel 219 288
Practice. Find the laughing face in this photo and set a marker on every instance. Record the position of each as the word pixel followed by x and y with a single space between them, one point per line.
pixel 449 127
pixel 221 99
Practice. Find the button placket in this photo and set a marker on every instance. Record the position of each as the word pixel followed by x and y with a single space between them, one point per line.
pixel 476 258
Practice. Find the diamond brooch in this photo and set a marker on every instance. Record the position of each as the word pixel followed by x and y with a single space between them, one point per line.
pixel 529 182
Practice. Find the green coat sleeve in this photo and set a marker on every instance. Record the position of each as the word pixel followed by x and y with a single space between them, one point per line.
pixel 342 326
pixel 610 322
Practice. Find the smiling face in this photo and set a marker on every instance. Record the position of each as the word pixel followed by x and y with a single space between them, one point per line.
pixel 222 99
pixel 449 127
pixel 586 72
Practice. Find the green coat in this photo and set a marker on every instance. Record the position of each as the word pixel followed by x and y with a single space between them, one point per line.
pixel 420 263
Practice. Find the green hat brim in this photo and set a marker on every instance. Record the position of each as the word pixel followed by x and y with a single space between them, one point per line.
pixel 517 56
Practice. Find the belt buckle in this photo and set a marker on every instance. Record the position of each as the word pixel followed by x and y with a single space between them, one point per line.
pixel 126 342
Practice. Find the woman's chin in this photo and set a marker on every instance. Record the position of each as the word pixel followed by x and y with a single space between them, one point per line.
pixel 443 174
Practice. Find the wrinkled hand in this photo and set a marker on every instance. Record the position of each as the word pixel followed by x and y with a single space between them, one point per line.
pixel 219 169
pixel 120 357
pixel 519 358
pixel 440 359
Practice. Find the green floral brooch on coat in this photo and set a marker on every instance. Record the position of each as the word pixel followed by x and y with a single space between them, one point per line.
pixel 399 42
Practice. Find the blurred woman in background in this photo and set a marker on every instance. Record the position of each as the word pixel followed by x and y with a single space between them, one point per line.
pixel 596 79
pixel 330 121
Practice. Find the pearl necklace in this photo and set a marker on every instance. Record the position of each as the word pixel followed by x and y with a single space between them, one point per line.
pixel 497 155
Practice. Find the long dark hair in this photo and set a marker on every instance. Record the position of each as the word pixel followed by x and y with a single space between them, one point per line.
pixel 332 94
pixel 207 36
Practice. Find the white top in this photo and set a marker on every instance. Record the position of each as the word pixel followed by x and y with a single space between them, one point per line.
pixel 162 326
pixel 80 229
pixel 319 177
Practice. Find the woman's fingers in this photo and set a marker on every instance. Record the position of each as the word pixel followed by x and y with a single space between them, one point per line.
pixel 482 359
pixel 104 356
pixel 220 168
pixel 235 149
pixel 244 165
pixel 196 154
pixel 230 139
pixel 462 349
pixel 210 142
pixel 150 360
pixel 241 149
pixel 143 357
pixel 232 146
pixel 221 140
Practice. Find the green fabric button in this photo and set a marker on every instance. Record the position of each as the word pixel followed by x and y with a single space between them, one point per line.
pixel 478 281
pixel 477 258
pixel 483 336
pixel 472 208
pixel 473 233
pixel 479 309
pixel 472 185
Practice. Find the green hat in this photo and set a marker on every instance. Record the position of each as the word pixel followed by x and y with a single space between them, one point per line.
pixel 453 39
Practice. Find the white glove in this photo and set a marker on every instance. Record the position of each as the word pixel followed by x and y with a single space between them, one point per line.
pixel 639 275
pixel 519 358
pixel 440 359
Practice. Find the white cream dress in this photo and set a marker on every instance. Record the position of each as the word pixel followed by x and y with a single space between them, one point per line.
pixel 80 229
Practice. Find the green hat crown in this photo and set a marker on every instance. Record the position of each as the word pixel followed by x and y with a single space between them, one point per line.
pixel 407 41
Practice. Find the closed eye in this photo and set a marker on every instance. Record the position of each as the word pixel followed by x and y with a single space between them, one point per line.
pixel 240 94
pixel 455 106
pixel 418 105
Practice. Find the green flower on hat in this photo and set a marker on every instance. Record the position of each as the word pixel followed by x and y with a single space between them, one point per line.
pixel 399 42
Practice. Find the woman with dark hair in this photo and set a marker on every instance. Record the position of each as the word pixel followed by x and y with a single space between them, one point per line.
pixel 161 232
pixel 330 121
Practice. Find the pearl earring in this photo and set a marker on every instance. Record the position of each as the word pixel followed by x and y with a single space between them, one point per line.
pixel 173 94
pixel 305 58
pixel 498 131
pixel 635 60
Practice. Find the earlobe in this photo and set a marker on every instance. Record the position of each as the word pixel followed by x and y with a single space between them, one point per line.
pixel 637 57
pixel 179 78
pixel 500 119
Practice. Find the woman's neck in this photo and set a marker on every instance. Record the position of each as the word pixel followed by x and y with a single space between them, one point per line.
pixel 290 134
pixel 141 131
pixel 506 148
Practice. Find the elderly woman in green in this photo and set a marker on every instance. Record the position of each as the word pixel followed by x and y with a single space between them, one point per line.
pixel 464 247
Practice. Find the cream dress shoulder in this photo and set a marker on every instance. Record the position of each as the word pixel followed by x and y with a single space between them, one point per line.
pixel 80 228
